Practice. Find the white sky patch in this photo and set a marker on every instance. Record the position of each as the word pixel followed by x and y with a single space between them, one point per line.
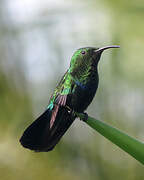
pixel 26 10
pixel 51 30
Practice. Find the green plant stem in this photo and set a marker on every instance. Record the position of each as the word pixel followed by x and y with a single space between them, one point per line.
pixel 129 144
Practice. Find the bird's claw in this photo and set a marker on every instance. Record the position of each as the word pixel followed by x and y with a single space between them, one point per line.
pixel 85 117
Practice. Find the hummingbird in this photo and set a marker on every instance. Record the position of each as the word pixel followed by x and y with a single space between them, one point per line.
pixel 74 93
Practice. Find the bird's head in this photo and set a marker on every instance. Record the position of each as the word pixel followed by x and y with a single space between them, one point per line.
pixel 84 58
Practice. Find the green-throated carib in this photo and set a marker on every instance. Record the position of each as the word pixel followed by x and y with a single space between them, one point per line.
pixel 74 93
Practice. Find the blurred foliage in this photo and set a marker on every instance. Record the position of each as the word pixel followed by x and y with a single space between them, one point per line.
pixel 36 43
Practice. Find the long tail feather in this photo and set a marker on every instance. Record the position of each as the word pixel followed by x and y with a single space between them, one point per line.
pixel 39 136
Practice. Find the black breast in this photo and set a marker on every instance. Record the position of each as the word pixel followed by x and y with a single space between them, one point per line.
pixel 82 96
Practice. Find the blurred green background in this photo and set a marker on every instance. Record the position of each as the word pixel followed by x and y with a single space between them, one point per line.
pixel 37 40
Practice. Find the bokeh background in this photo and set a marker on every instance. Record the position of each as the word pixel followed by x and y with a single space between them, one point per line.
pixel 37 40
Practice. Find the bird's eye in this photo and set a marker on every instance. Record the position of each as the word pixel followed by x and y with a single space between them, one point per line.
pixel 83 52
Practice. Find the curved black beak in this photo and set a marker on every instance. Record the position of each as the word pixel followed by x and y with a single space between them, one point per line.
pixel 106 47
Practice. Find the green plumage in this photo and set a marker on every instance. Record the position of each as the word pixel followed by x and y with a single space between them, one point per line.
pixel 74 93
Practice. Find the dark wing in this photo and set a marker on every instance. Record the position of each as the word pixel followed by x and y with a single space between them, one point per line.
pixel 60 101
pixel 62 122
pixel 46 131
pixel 40 137
pixel 33 135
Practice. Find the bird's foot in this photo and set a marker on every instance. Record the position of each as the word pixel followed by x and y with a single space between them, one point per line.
pixel 85 117
pixel 71 111
pixel 68 109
